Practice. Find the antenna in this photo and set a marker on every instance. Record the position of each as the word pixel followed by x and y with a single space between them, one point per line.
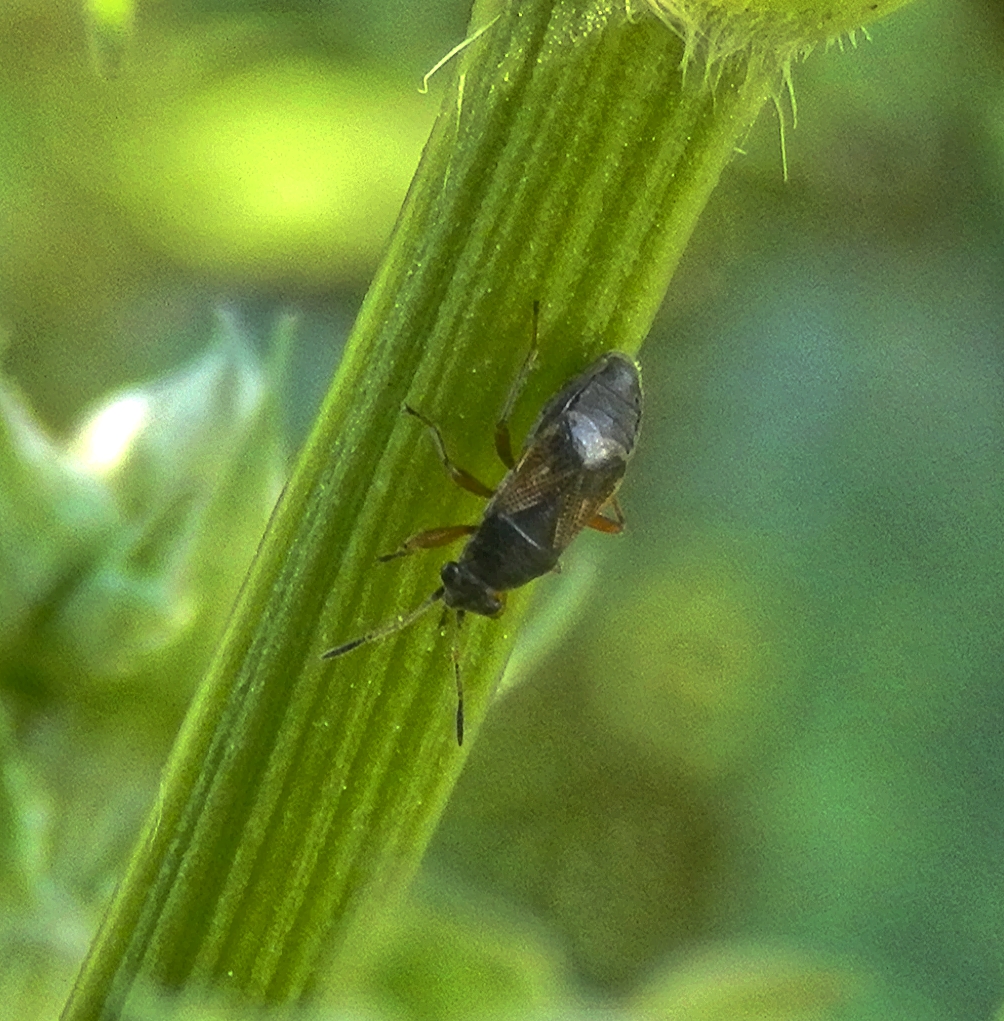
pixel 397 624
pixel 459 619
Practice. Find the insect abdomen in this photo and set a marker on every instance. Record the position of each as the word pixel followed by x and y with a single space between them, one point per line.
pixel 510 549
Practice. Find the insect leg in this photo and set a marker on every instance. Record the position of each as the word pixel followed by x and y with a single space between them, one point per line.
pixel 503 443
pixel 612 526
pixel 429 540
pixel 462 478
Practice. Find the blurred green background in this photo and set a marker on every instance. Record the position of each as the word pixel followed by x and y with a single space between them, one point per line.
pixel 757 768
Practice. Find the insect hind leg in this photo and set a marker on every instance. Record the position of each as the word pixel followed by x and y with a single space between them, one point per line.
pixel 612 526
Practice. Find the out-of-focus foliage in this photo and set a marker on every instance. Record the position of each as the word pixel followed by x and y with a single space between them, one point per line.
pixel 777 721
pixel 250 148
pixel 761 777
pixel 121 552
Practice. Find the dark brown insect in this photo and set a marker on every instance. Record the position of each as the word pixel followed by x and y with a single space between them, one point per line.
pixel 571 464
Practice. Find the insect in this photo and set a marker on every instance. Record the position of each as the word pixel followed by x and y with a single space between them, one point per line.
pixel 571 464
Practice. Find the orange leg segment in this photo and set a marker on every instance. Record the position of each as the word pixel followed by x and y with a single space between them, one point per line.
pixel 462 478
pixel 429 540
pixel 612 526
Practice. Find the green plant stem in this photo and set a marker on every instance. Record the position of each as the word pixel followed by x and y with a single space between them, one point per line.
pixel 569 165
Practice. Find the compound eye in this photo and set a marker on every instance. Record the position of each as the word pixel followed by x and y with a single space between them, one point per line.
pixel 449 573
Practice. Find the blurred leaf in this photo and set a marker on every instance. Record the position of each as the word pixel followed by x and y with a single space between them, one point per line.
pixel 54 518
pixel 449 961
pixel 110 23
pixel 114 14
pixel 22 819
pixel 755 985
pixel 193 464
pixel 164 447
pixel 285 167
pixel 608 848
pixel 691 664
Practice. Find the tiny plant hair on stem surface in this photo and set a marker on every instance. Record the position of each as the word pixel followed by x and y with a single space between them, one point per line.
pixel 459 48
pixel 568 472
